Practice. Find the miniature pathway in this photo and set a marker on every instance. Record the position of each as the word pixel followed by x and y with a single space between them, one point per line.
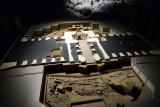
pixel 86 51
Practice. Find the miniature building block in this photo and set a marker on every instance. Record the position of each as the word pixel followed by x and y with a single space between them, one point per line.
pixel 110 35
pixel 123 34
pixel 106 30
pixel 32 40
pixel 121 54
pixel 103 39
pixel 101 67
pixel 24 39
pixel 129 33
pixel 25 35
pixel 56 53
pixel 37 33
pixel 91 45
pixel 155 52
pixel 93 50
pixel 43 61
pixel 28 33
pixel 70 68
pixel 8 65
pixel 82 68
pixel 34 61
pixel 95 26
pixel 79 51
pixel 76 46
pixel 97 58
pixel 136 53
pixel 62 59
pixel 103 34
pixel 53 60
pixel 46 30
pixel 81 59
pixel 144 53
pixel 111 64
pixel 60 41
pixel 47 38
pixel 63 38
pixel 24 62
pixel 55 37
pixel 53 68
pixel 54 27
pixel 39 39
pixel 114 55
pixel 129 54
pixel 124 62
pixel 127 67
pixel 92 68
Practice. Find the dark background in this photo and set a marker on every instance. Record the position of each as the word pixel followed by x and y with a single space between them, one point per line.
pixel 16 14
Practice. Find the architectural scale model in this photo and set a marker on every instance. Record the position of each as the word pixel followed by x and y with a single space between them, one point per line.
pixel 81 63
